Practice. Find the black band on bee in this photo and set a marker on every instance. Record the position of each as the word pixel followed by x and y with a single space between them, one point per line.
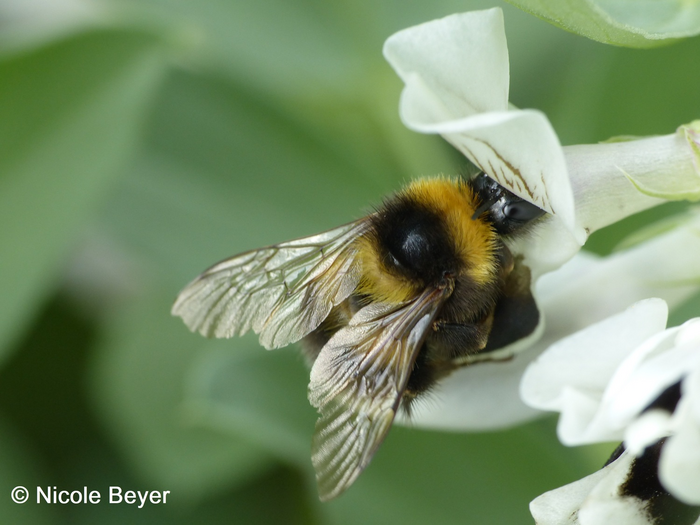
pixel 414 240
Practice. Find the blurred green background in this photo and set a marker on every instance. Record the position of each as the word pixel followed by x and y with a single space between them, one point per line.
pixel 141 142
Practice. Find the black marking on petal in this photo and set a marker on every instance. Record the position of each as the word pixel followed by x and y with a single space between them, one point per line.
pixel 414 240
pixel 513 170
pixel 668 399
pixel 643 483
pixel 546 194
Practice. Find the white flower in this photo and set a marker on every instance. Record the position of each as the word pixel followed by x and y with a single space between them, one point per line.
pixel 679 469
pixel 608 380
pixel 581 375
pixel 619 493
pixel 456 73
pixel 629 378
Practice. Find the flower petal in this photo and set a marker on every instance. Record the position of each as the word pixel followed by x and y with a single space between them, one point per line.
pixel 625 491
pixel 645 374
pixel 456 75
pixel 612 181
pixel 520 150
pixel 453 67
pixel 650 427
pixel 593 500
pixel 482 396
pixel 679 183
pixel 548 246
pixel 680 460
pixel 689 334
pixel 605 504
pixel 560 506
pixel 588 359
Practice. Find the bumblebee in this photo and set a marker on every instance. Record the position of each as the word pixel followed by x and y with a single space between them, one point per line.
pixel 384 307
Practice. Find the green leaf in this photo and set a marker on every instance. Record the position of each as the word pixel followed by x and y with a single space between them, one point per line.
pixel 258 395
pixel 629 23
pixel 224 171
pixel 17 468
pixel 272 44
pixel 70 115
pixel 138 386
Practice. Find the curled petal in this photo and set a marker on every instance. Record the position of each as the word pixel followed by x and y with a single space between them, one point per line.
pixel 453 68
pixel 648 428
pixel 456 75
pixel 561 366
pixel 573 374
pixel 652 369
pixel 521 151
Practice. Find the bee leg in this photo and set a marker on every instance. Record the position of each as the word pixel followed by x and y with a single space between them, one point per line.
pixel 450 340
pixel 516 315
pixel 445 344
pixel 514 318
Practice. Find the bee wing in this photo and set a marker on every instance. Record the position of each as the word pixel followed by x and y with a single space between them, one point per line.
pixel 281 292
pixel 357 382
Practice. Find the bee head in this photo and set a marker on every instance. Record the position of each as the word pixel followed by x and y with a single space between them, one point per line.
pixel 506 211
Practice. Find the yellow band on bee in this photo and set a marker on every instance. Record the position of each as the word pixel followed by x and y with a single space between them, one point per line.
pixel 474 240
